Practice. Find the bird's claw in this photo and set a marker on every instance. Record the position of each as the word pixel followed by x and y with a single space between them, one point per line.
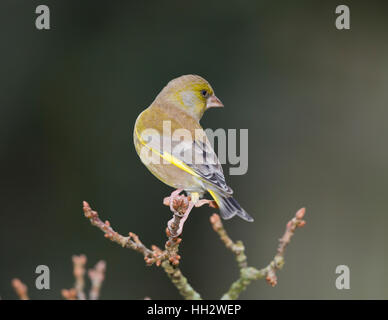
pixel 169 201
pixel 181 207
pixel 210 203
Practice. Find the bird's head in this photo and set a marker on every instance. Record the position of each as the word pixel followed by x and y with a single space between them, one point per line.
pixel 190 93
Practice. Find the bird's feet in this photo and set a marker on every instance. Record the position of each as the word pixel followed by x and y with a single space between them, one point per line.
pixel 169 201
pixel 175 225
pixel 181 206
pixel 210 203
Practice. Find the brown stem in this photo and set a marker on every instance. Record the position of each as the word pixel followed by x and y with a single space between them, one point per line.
pixel 131 242
pixel 168 258
pixel 249 274
pixel 69 294
pixel 236 247
pixel 79 273
pixel 96 276
pixel 20 289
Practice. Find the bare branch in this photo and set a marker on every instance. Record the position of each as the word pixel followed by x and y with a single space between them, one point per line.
pixel 278 261
pixel 180 282
pixel 69 294
pixel 20 289
pixel 79 274
pixel 131 242
pixel 97 276
pixel 168 258
pixel 237 248
pixel 249 274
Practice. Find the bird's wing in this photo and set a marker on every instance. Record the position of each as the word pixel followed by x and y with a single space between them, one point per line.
pixel 195 157
pixel 207 166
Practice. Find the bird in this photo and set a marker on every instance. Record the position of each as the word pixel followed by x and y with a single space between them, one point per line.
pixel 187 163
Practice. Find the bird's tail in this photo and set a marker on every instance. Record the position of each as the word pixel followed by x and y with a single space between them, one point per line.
pixel 229 207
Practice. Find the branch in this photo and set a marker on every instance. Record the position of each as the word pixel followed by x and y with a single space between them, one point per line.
pixel 20 289
pixel 249 274
pixel 131 242
pixel 79 273
pixel 168 258
pixel 180 281
pixel 69 294
pixel 97 276
pixel 237 248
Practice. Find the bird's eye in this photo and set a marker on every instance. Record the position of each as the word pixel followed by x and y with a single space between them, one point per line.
pixel 204 93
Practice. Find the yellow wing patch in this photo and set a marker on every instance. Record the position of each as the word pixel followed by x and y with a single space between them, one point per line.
pixel 214 197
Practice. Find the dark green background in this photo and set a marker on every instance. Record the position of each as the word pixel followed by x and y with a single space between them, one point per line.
pixel 313 98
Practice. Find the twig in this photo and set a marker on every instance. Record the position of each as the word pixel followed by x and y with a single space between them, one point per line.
pixel 278 261
pixel 97 276
pixel 131 242
pixel 20 289
pixel 79 273
pixel 180 282
pixel 249 274
pixel 168 258
pixel 69 294
pixel 181 207
pixel 237 248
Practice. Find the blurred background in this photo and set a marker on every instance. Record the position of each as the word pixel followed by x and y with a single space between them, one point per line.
pixel 313 98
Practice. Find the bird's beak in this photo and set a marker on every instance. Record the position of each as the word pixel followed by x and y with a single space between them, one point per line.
pixel 213 102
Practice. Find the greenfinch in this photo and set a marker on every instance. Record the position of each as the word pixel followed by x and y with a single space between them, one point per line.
pixel 172 144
